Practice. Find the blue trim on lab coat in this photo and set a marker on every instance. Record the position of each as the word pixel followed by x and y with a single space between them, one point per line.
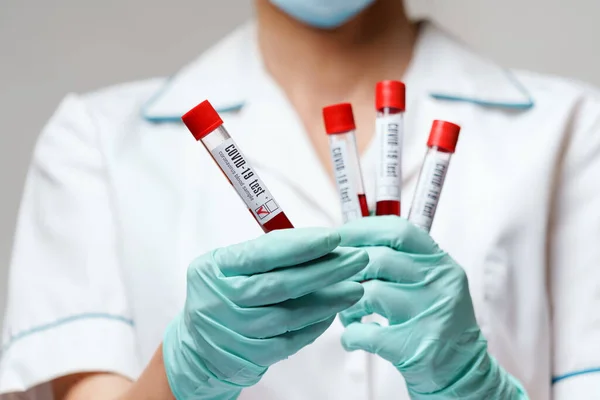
pixel 484 103
pixel 176 118
pixel 529 104
pixel 575 373
pixel 510 106
pixel 151 101
pixel 63 321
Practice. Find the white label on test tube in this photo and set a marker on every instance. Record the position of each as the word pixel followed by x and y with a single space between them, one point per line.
pixel 345 181
pixel 429 188
pixel 389 168
pixel 245 181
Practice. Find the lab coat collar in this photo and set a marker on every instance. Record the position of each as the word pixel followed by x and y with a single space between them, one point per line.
pixel 446 68
pixel 450 71
pixel 219 75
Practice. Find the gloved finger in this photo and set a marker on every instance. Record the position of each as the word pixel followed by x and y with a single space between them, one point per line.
pixel 393 266
pixel 390 231
pixel 277 249
pixel 294 282
pixel 372 338
pixel 281 347
pixel 263 352
pixel 359 336
pixel 296 314
pixel 208 355
pixel 394 301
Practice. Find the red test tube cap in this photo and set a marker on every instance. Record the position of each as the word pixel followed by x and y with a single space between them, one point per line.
pixel 202 120
pixel 390 94
pixel 338 118
pixel 444 135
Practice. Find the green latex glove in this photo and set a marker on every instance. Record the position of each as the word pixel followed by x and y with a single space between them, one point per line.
pixel 251 305
pixel 433 338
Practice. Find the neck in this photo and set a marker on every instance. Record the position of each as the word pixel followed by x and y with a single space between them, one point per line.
pixel 337 64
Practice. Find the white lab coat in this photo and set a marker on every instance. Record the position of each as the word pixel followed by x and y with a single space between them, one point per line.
pixel 120 198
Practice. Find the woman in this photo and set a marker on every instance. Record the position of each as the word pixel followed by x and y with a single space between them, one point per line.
pixel 120 199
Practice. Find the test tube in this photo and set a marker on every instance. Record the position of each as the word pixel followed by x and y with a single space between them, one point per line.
pixel 441 145
pixel 390 102
pixel 340 127
pixel 206 126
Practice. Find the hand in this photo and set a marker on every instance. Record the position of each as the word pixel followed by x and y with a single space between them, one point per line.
pixel 253 304
pixel 433 338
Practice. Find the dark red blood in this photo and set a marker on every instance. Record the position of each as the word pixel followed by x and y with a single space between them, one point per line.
pixel 364 207
pixel 388 207
pixel 280 221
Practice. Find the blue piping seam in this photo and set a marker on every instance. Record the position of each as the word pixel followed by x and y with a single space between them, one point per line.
pixel 155 97
pixel 438 96
pixel 237 107
pixel 176 118
pixel 63 321
pixel 510 106
pixel 575 373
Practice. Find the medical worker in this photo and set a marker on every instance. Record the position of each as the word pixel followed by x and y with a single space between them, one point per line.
pixel 137 272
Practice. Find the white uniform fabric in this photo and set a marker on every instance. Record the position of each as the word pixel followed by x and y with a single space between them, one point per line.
pixel 120 198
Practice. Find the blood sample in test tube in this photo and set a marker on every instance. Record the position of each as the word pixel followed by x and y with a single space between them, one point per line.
pixel 206 126
pixel 340 128
pixel 441 146
pixel 390 102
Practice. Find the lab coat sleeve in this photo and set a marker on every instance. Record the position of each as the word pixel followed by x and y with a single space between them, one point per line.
pixel 67 309
pixel 574 251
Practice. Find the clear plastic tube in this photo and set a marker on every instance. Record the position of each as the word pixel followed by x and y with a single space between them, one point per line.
pixel 441 145
pixel 206 126
pixel 390 104
pixel 340 127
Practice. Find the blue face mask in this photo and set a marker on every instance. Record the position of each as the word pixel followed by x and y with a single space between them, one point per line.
pixel 325 14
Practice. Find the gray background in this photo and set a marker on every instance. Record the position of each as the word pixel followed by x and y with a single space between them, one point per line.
pixel 48 48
